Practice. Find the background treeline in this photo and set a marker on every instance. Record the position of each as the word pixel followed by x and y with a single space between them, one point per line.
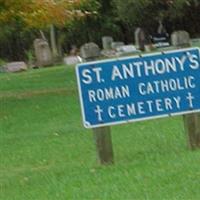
pixel 117 18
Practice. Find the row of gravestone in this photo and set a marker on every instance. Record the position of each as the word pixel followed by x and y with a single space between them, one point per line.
pixel 91 51
pixel 44 56
pixel 111 48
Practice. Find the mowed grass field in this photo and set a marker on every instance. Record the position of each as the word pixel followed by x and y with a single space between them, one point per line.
pixel 47 154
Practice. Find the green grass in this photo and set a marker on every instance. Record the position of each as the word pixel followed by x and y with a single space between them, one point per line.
pixel 46 154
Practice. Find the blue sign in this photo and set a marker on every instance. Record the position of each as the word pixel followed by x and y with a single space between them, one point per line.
pixel 138 88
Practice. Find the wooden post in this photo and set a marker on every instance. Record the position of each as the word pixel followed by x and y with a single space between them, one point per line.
pixel 191 121
pixel 103 141
pixel 192 128
pixel 102 135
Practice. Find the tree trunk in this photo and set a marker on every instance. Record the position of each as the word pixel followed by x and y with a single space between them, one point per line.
pixel 53 41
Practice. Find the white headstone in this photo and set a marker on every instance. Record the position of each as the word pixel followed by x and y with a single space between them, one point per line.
pixel 117 44
pixel 72 60
pixel 127 49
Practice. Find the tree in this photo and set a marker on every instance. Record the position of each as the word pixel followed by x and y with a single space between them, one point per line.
pixel 184 14
pixel 143 13
pixel 43 14
pixel 147 13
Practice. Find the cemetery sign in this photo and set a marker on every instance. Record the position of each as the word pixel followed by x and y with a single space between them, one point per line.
pixel 137 88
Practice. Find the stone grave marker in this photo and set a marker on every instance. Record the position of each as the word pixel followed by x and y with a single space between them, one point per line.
pixel 127 49
pixel 160 40
pixel 90 51
pixel 180 39
pixel 140 39
pixel 42 52
pixel 72 60
pixel 15 66
pixel 106 42
pixel 117 44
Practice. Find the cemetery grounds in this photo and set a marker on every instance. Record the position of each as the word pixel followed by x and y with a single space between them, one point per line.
pixel 47 154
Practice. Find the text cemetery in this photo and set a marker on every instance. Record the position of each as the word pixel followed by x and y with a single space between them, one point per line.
pixel 130 89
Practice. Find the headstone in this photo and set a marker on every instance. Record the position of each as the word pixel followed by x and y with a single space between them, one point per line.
pixel 117 44
pixel 90 51
pixel 140 38
pixel 160 40
pixel 42 52
pixel 127 49
pixel 106 42
pixel 180 39
pixel 15 66
pixel 72 60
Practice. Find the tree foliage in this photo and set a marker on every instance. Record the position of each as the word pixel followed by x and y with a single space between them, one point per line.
pixel 146 13
pixel 41 13
pixel 29 16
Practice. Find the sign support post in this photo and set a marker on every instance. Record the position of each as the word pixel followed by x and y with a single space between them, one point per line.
pixel 191 121
pixel 192 128
pixel 103 141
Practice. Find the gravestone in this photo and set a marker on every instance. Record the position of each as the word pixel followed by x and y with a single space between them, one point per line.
pixel 106 42
pixel 140 39
pixel 160 40
pixel 90 51
pixel 180 39
pixel 42 52
pixel 15 67
pixel 117 44
pixel 126 50
pixel 72 60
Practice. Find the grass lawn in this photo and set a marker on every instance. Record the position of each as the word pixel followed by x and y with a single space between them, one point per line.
pixel 47 154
